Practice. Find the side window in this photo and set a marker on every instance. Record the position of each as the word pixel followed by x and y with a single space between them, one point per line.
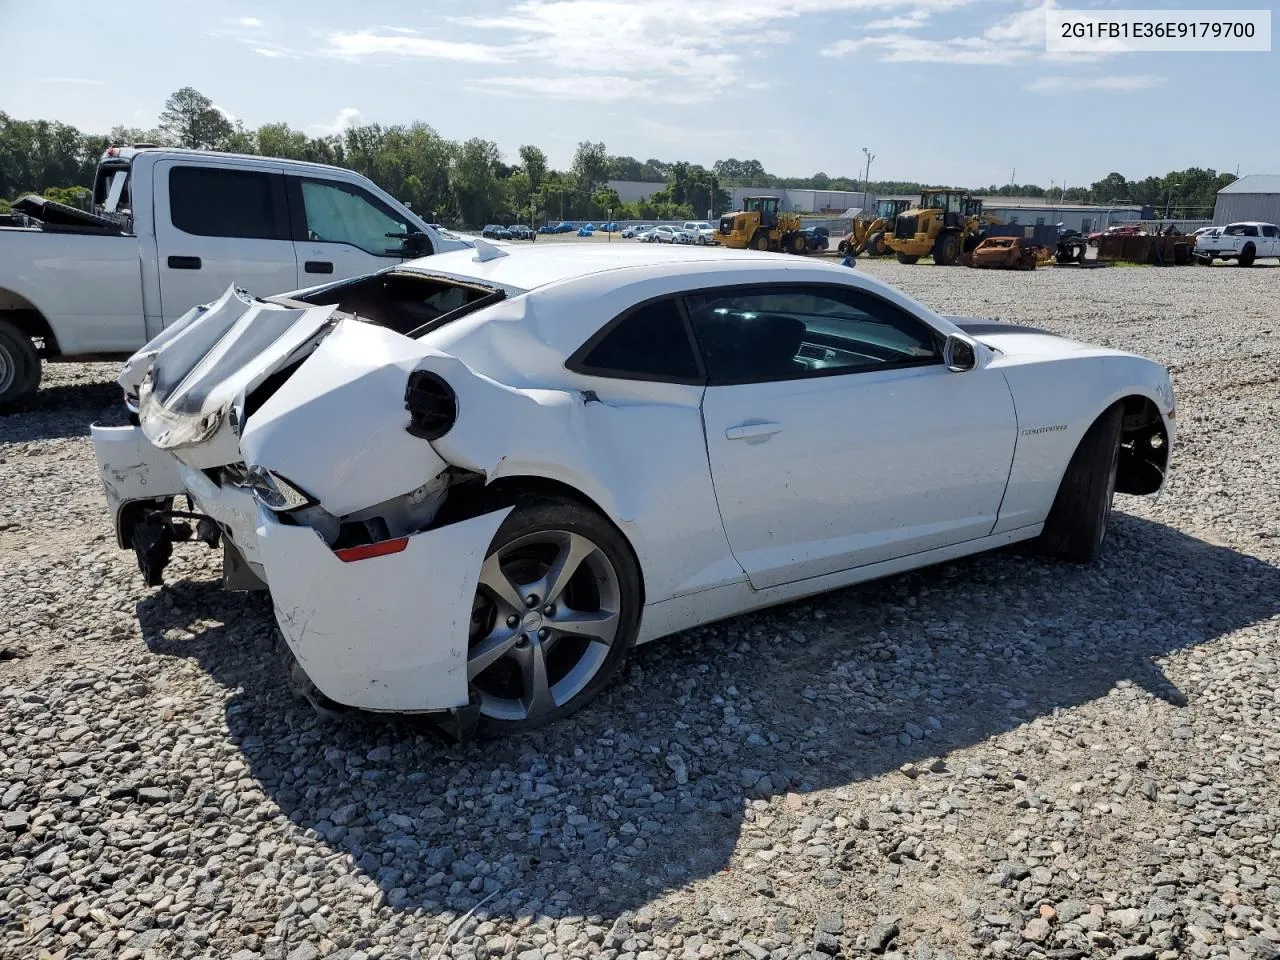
pixel 221 202
pixel 1271 231
pixel 649 343
pixel 340 213
pixel 786 333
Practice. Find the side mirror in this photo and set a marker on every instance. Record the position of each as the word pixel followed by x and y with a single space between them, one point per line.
pixel 959 354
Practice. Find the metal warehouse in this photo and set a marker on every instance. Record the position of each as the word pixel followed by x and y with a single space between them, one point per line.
pixel 1253 197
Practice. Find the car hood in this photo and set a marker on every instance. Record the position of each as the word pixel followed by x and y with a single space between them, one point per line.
pixel 1017 342
pixel 189 384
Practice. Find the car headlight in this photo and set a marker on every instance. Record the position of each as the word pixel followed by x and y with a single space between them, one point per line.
pixel 273 491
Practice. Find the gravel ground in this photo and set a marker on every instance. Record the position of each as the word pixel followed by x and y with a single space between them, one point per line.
pixel 997 757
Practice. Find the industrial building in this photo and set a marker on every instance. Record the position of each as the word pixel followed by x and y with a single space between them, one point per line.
pixel 1252 197
pixel 633 191
pixel 793 200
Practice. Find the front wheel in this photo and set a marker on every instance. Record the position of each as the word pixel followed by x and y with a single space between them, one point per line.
pixel 556 609
pixel 1077 523
pixel 875 245
pixel 1247 255
pixel 907 258
pixel 760 241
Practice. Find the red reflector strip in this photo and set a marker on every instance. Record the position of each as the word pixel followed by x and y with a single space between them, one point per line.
pixel 365 551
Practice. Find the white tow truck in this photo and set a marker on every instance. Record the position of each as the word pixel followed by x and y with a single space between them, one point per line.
pixel 169 229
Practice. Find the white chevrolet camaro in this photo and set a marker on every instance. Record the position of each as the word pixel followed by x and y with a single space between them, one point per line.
pixel 473 482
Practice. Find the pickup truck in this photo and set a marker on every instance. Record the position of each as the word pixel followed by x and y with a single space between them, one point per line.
pixel 170 229
pixel 1242 242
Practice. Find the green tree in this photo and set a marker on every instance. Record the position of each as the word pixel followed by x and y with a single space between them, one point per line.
pixel 535 165
pixel 189 119
pixel 590 166
pixel 475 181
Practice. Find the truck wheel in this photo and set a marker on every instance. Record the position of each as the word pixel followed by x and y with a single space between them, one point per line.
pixel 760 241
pixel 875 244
pixel 19 364
pixel 797 243
pixel 1247 255
pixel 946 250
pixel 907 258
pixel 1077 523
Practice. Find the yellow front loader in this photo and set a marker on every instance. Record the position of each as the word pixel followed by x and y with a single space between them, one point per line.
pixel 759 225
pixel 871 228
pixel 946 224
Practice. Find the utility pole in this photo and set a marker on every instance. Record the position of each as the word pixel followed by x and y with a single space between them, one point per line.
pixel 866 181
pixel 1169 202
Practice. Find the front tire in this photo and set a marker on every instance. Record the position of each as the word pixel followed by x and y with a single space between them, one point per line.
pixel 875 245
pixel 760 241
pixel 908 258
pixel 946 250
pixel 1247 255
pixel 1076 527
pixel 556 610
pixel 19 365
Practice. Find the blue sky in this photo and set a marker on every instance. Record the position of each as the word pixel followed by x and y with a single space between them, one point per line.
pixel 955 91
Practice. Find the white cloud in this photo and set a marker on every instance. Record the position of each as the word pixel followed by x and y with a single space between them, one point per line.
pixel 1016 38
pixel 90 81
pixel 397 43
pixel 672 51
pixel 600 89
pixel 251 22
pixel 911 21
pixel 1062 84
pixel 231 117
pixel 345 118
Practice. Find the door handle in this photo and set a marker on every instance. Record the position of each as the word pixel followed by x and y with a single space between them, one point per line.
pixel 318 266
pixel 184 263
pixel 746 431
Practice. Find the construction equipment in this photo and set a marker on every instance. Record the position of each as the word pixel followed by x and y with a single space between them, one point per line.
pixel 870 228
pixel 1072 247
pixel 946 223
pixel 759 225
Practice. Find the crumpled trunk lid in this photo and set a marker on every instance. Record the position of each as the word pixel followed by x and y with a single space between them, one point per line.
pixel 190 384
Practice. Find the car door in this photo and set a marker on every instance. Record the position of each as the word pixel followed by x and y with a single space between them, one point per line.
pixel 219 224
pixel 836 434
pixel 1270 242
pixel 340 230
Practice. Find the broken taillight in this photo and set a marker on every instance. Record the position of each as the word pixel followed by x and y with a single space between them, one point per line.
pixel 380 549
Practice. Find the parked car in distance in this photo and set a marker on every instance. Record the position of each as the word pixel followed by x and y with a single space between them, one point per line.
pixel 818 238
pixel 473 541
pixel 495 231
pixel 702 230
pixel 169 229
pixel 520 232
pixel 634 230
pixel 664 234
pixel 1119 229
pixel 609 227
pixel 1242 242
pixel 564 226
pixel 586 230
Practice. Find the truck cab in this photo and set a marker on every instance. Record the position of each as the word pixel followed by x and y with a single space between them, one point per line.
pixel 170 229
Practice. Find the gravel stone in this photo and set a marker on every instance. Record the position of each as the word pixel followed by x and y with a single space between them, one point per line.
pixel 1101 740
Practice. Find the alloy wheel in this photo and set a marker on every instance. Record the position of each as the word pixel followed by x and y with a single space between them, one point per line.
pixel 544 619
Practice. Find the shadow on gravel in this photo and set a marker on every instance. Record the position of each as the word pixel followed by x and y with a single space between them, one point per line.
pixel 62 411
pixel 813 695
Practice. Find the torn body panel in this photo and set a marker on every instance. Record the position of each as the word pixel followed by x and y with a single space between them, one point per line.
pixel 383 633
pixel 132 470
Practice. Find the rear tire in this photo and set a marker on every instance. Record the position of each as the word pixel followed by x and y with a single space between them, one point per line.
pixel 875 244
pixel 19 364
pixel 798 244
pixel 760 241
pixel 1247 255
pixel 1076 527
pixel 603 582
pixel 907 258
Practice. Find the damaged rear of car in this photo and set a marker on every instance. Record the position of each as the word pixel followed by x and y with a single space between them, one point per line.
pixel 226 406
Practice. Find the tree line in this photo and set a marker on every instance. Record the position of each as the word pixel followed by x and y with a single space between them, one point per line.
pixel 470 183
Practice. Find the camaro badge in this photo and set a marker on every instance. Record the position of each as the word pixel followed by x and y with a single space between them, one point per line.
pixel 1053 429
